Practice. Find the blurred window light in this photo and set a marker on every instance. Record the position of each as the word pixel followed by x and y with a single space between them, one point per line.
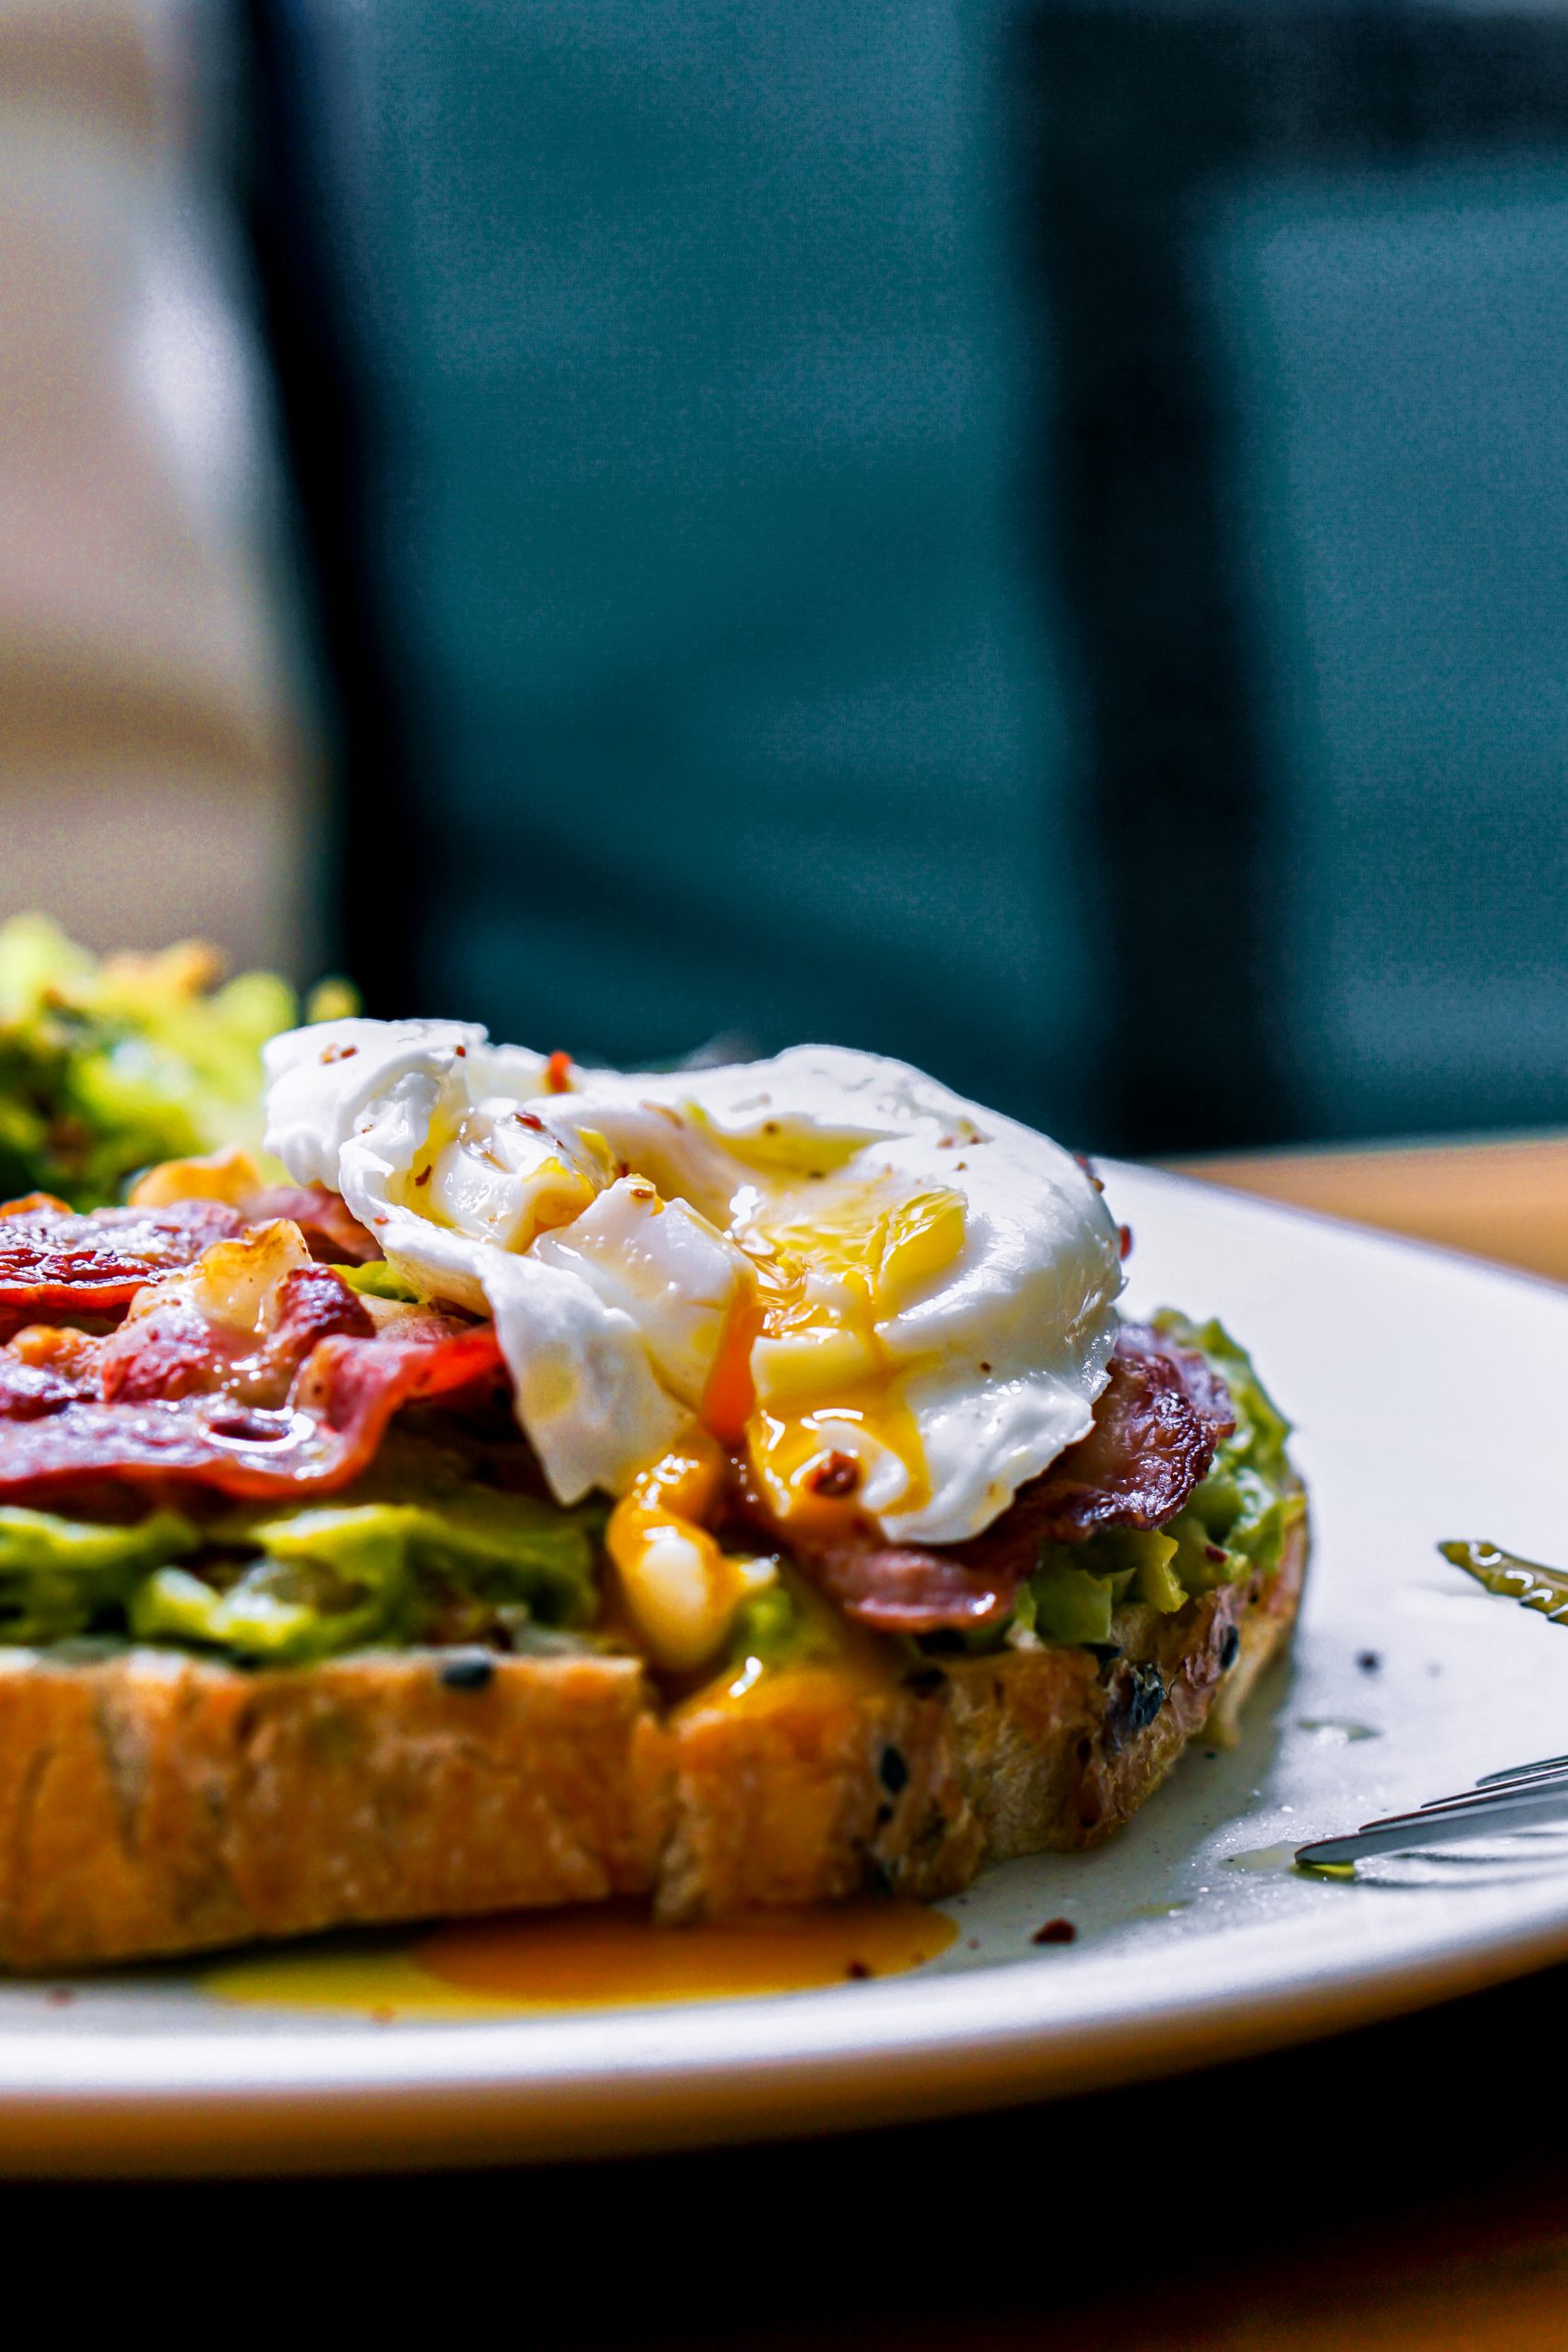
pixel 153 774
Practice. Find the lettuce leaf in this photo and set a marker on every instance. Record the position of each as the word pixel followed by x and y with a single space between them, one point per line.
pixel 108 1066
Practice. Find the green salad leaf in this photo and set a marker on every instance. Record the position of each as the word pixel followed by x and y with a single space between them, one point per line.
pixel 107 1066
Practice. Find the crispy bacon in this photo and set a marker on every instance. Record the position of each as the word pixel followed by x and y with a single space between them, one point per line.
pixel 53 1262
pixel 322 1435
pixel 332 1233
pixel 29 1391
pixel 172 1350
pixel 1156 1427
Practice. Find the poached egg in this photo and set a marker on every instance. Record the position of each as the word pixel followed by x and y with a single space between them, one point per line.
pixel 827 1261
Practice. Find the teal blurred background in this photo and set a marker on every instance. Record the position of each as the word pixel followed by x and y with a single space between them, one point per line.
pixel 1398 349
pixel 698 363
pixel 1032 539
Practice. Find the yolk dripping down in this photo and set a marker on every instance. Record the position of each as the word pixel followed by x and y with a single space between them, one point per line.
pixel 603 1956
pixel 823 1270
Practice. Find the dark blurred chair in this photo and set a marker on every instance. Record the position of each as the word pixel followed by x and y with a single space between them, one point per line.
pixel 1308 277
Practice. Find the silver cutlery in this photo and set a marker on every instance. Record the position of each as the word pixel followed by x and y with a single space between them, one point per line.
pixel 1524 1796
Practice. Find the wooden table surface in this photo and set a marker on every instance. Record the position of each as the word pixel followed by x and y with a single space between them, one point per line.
pixel 1498 1200
pixel 1404 2188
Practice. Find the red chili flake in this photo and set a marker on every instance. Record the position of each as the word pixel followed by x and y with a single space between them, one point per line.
pixel 557 1074
pixel 380 1218
pixel 858 1968
pixel 529 1119
pixel 459 1051
pixel 1217 1553
pixel 338 1053
pixel 423 1176
pixel 641 1192
pixel 1124 1239
pixel 1056 1931
pixel 836 1474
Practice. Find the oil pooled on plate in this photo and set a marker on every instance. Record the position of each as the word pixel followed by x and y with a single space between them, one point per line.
pixel 609 1955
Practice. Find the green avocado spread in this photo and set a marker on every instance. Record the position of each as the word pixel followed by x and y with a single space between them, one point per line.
pixel 417 1550
pixel 1232 1526
pixel 426 1547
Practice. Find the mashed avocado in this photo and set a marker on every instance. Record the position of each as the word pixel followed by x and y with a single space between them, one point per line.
pixel 466 1561
pixel 106 1067
pixel 64 1576
pixel 423 1548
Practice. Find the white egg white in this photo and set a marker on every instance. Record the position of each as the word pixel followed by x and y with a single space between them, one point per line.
pixel 949 1277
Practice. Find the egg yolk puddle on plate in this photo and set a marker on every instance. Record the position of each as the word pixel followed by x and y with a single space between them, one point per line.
pixel 600 1956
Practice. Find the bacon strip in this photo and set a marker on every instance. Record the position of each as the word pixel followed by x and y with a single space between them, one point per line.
pixel 1156 1427
pixel 168 1349
pixel 325 1434
pixel 332 1233
pixel 54 1263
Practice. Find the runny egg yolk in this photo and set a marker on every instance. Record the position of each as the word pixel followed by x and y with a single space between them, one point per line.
pixel 680 1588
pixel 831 1267
pixel 801 1381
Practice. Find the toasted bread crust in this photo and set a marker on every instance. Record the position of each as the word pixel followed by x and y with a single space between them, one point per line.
pixel 155 1803
pixel 152 1804
pixel 824 1790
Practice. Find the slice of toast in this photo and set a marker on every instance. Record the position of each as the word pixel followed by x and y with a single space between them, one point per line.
pixel 152 1804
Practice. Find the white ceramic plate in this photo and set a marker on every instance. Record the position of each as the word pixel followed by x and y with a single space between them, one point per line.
pixel 1431 1398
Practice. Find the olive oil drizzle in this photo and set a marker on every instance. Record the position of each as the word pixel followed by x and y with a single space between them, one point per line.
pixel 1528 1582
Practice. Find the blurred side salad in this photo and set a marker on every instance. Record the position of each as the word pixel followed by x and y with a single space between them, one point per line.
pixel 107 1065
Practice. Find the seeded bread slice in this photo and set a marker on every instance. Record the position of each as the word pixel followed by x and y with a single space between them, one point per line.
pixel 155 1804
pixel 822 1790
pixel 151 1804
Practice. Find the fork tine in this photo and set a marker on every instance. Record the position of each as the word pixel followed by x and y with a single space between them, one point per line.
pixel 1498 1783
pixel 1553 1789
pixel 1522 1772
pixel 1446 1823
